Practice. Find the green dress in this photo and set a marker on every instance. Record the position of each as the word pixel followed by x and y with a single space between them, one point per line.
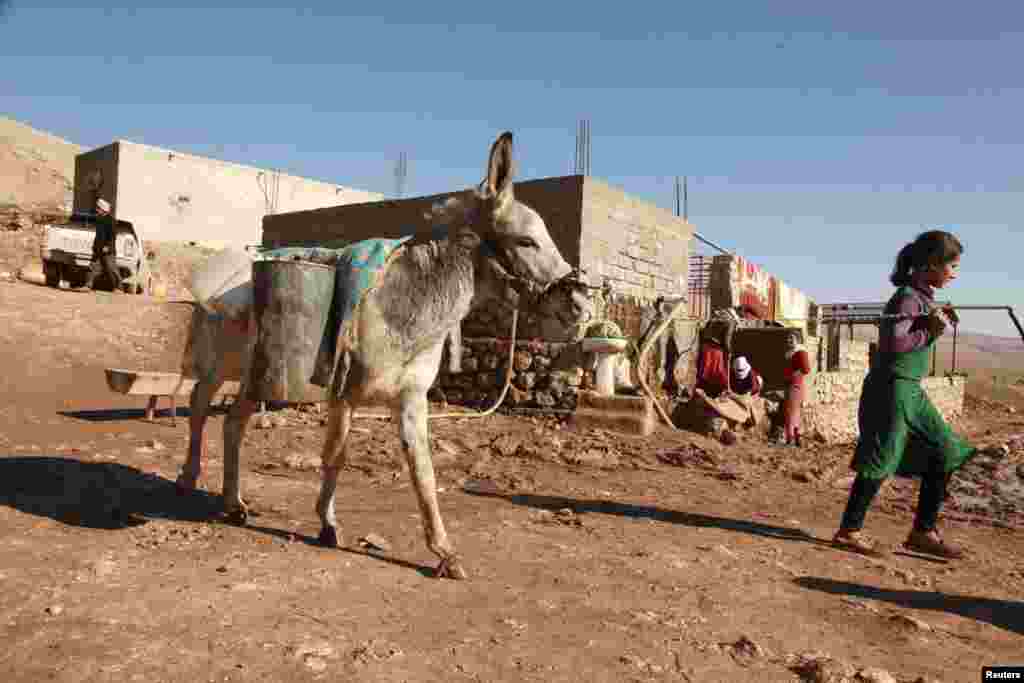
pixel 901 432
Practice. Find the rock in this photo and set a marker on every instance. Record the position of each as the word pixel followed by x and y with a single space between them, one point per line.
pixel 373 541
pixel 818 667
pixel 506 445
pixel 446 446
pixel 745 648
pixel 54 610
pixel 544 399
pixel 522 361
pixel 526 380
pixel 905 574
pixel 302 461
pixel 154 444
pixel 908 622
pixel 728 437
pixel 875 675
pixel 844 483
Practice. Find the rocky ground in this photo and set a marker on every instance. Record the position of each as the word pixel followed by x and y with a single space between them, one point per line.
pixel 593 555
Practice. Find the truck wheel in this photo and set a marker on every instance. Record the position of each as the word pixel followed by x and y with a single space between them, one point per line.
pixel 76 279
pixel 51 271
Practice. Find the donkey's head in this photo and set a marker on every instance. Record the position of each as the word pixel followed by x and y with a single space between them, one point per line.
pixel 517 252
pixel 564 307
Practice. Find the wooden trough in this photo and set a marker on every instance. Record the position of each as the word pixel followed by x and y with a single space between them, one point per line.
pixel 157 384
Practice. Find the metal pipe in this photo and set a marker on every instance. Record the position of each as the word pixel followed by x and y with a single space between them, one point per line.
pixel 1015 321
pixel 953 369
pixel 712 244
pixel 865 317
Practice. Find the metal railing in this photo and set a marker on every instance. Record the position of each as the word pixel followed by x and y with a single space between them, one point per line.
pixel 872 314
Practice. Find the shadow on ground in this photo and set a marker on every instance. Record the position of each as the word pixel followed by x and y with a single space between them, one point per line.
pixel 607 507
pixel 96 495
pixel 1005 614
pixel 125 414
pixel 114 496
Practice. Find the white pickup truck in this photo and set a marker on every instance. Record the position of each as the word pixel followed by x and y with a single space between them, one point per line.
pixel 66 251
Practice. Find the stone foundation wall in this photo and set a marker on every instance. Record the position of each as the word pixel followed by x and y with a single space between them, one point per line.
pixel 830 406
pixel 546 375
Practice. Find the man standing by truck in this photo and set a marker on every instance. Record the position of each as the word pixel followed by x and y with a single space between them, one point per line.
pixel 104 254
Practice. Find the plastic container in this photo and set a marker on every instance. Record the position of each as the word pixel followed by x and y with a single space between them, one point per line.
pixel 223 283
pixel 292 303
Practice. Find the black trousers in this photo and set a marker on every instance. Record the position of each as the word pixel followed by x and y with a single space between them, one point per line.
pixel 104 264
pixel 929 502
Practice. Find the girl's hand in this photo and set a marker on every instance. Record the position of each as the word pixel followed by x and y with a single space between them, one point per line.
pixel 936 325
pixel 951 315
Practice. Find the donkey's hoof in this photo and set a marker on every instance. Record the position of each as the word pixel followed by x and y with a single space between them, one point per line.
pixel 328 537
pixel 451 568
pixel 237 516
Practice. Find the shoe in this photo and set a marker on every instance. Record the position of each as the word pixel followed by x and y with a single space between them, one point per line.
pixel 857 542
pixel 931 543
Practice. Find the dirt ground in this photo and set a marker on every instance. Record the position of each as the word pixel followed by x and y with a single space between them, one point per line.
pixel 593 556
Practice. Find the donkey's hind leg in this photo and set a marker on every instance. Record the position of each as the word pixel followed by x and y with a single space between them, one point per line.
pixel 234 432
pixel 333 458
pixel 199 410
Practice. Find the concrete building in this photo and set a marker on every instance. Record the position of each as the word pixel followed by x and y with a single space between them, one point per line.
pixel 171 196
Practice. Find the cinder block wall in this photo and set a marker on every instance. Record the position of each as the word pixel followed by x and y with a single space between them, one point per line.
pixel 557 200
pixel 641 249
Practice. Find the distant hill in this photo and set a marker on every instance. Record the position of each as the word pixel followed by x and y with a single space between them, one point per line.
pixel 37 170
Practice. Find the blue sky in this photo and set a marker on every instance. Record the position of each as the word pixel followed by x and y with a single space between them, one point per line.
pixel 817 138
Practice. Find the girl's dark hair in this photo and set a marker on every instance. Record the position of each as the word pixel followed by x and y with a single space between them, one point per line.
pixel 932 248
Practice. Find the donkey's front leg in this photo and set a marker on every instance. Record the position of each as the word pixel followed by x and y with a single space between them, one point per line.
pixel 199 410
pixel 235 424
pixel 411 416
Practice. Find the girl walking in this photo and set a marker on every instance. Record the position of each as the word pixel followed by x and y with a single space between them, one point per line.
pixel 901 432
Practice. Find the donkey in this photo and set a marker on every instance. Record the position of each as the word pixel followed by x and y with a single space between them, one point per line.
pixel 496 248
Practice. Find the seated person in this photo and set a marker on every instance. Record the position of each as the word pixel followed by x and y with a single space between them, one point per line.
pixel 712 375
pixel 712 357
pixel 745 379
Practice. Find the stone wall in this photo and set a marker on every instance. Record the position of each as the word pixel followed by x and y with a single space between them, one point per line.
pixel 546 375
pixel 832 399
pixel 853 356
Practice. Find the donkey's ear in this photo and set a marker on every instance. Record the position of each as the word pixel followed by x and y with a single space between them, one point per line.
pixel 500 169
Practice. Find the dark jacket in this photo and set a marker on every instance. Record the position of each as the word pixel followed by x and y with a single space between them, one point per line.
pixel 105 233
